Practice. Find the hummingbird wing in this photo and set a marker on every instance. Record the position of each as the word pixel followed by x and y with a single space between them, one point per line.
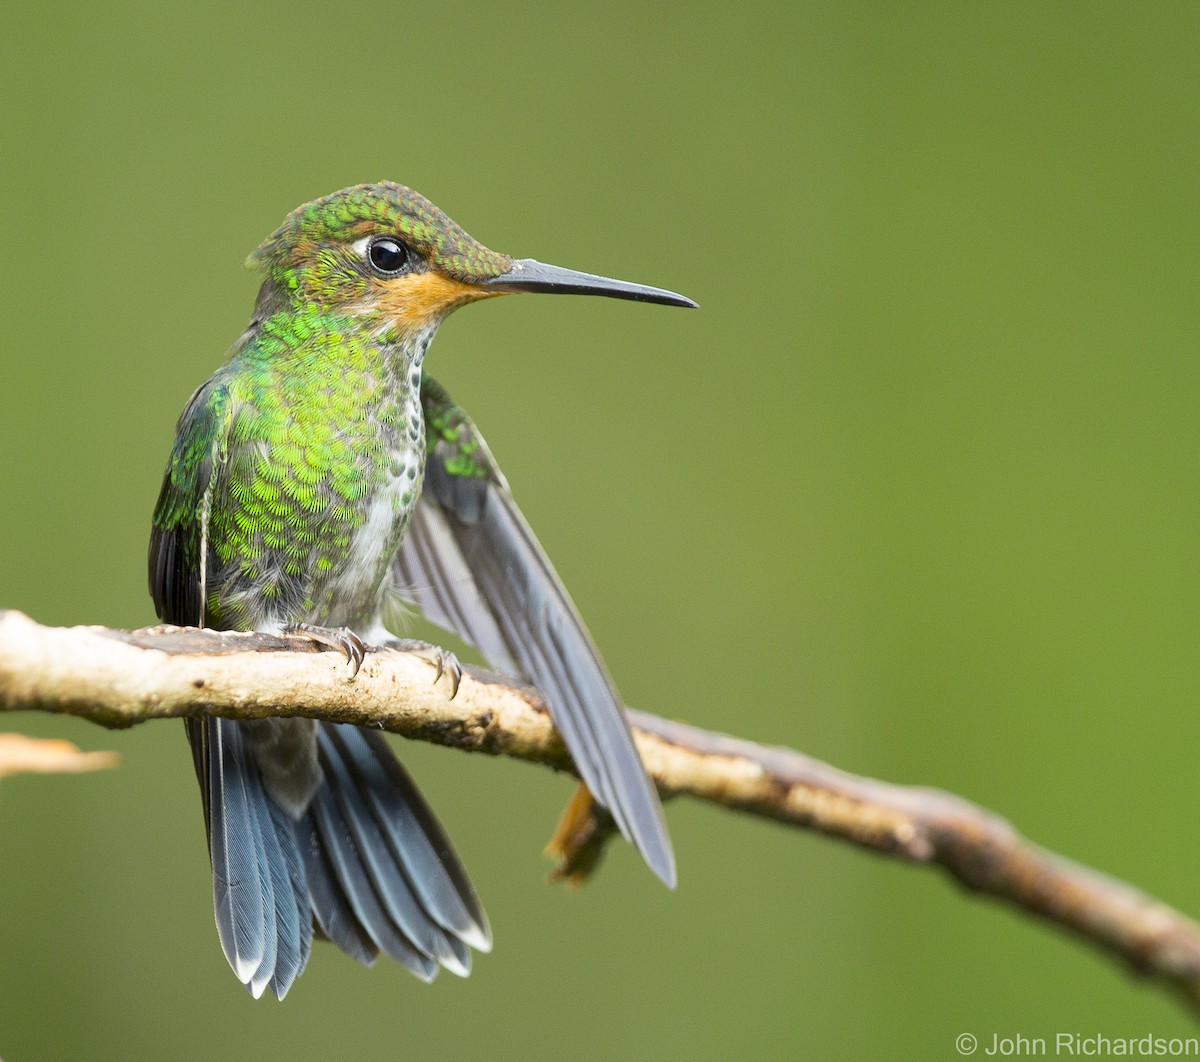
pixel 179 549
pixel 472 565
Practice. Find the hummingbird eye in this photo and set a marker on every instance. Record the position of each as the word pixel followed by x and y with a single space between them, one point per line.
pixel 387 255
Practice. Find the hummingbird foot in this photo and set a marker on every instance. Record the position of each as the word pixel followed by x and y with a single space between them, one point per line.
pixel 341 639
pixel 443 661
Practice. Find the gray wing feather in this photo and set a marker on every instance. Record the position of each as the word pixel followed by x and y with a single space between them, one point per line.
pixel 472 565
pixel 433 569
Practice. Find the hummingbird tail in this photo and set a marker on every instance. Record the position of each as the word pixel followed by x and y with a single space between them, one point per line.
pixel 259 891
pixel 366 865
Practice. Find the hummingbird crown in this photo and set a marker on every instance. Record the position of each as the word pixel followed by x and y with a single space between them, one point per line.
pixel 321 249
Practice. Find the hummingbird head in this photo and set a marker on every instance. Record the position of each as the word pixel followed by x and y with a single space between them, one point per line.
pixel 387 250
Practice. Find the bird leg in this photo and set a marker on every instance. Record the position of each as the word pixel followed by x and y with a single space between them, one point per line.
pixel 341 639
pixel 443 661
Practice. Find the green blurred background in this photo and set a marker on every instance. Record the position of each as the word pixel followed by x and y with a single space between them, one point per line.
pixel 915 491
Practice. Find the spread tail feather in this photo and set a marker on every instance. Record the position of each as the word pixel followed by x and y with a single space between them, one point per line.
pixel 366 863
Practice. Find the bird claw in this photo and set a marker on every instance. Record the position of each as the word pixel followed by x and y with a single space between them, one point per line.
pixel 342 639
pixel 442 661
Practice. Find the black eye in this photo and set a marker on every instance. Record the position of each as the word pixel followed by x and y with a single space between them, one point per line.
pixel 388 255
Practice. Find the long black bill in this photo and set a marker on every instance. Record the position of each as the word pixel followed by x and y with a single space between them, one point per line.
pixel 529 275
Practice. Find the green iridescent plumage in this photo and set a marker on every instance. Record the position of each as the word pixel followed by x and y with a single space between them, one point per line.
pixel 451 431
pixel 286 442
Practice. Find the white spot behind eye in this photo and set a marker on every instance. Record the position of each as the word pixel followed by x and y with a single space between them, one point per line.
pixel 360 246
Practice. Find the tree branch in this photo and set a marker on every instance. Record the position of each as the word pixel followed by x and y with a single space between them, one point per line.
pixel 119 678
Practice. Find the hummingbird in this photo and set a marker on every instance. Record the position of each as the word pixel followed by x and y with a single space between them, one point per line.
pixel 316 478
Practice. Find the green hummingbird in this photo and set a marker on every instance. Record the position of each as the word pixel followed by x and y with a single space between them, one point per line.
pixel 316 477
